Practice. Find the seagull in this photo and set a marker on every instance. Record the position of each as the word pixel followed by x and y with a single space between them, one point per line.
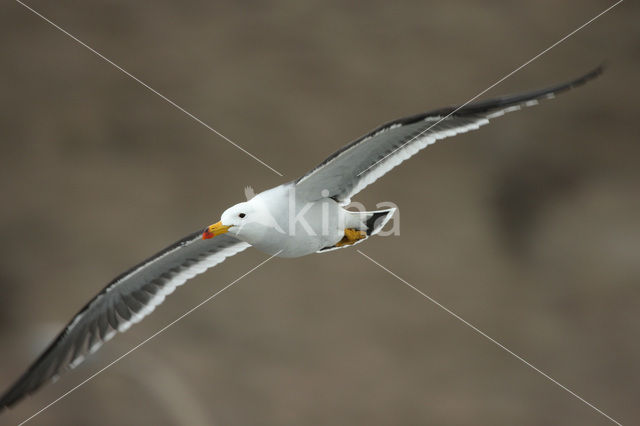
pixel 295 219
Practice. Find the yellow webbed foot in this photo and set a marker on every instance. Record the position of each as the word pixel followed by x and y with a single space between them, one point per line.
pixel 351 236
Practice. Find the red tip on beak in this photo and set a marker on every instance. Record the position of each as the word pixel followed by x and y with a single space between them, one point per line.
pixel 215 229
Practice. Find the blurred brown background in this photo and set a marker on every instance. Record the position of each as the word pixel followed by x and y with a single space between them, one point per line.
pixel 528 228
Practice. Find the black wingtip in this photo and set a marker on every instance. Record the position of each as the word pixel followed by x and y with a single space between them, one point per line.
pixel 506 101
pixel 9 399
pixel 486 106
pixel 23 387
pixel 594 73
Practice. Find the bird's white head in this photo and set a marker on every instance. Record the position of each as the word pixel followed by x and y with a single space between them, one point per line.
pixel 248 220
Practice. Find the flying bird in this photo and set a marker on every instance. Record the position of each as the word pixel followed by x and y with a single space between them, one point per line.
pixel 294 219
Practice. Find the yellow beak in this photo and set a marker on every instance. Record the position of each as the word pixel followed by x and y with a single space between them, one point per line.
pixel 215 229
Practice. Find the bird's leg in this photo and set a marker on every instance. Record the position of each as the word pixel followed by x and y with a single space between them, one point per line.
pixel 351 236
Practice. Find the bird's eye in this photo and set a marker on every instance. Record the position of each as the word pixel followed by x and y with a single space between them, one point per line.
pixel 242 215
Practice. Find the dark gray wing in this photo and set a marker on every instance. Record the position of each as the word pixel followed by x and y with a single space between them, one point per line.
pixel 126 300
pixel 360 163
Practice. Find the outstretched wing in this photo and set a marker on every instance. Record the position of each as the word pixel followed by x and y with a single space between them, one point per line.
pixel 360 163
pixel 126 300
